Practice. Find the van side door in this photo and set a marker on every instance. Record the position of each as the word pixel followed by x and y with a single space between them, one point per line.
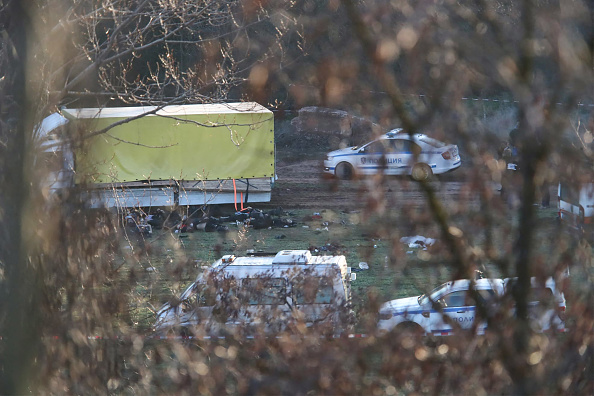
pixel 315 299
pixel 264 302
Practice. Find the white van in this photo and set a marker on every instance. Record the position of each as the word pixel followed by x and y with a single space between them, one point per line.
pixel 263 294
pixel 576 205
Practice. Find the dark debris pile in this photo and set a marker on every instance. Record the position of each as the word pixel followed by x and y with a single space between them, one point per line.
pixel 139 221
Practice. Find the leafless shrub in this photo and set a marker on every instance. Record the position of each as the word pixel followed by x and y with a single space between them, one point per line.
pixel 67 281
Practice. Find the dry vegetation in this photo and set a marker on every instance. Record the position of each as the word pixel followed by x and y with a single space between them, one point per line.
pixel 76 295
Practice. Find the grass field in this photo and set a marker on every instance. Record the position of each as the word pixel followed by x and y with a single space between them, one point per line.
pixel 165 263
pixel 170 263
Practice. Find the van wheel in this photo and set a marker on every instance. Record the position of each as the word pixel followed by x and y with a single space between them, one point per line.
pixel 421 172
pixel 344 171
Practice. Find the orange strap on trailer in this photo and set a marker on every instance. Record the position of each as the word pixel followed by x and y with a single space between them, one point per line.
pixel 235 195
pixel 241 196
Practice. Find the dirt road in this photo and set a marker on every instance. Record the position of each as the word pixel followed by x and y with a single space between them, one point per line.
pixel 303 185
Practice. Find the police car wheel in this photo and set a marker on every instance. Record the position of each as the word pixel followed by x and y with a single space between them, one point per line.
pixel 185 332
pixel 344 171
pixel 421 172
pixel 410 329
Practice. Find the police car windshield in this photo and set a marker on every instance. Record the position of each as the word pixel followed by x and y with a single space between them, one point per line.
pixel 189 291
pixel 433 296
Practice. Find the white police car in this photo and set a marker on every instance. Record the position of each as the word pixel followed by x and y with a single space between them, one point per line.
pixel 418 313
pixel 546 307
pixel 394 153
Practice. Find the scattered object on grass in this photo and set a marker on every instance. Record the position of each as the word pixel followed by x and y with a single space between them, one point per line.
pixel 363 266
pixel 333 248
pixel 417 242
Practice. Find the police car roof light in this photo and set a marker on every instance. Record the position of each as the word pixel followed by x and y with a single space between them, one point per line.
pixel 394 132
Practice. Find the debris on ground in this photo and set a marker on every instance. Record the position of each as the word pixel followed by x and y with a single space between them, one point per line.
pixel 136 223
pixel 200 221
pixel 418 242
pixel 333 248
pixel 363 266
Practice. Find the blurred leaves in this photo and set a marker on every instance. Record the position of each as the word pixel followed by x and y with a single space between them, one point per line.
pixel 418 65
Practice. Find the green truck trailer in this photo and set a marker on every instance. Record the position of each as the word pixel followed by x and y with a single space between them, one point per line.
pixel 162 156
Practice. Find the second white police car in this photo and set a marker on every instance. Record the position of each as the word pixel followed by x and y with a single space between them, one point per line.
pixel 451 306
pixel 394 153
